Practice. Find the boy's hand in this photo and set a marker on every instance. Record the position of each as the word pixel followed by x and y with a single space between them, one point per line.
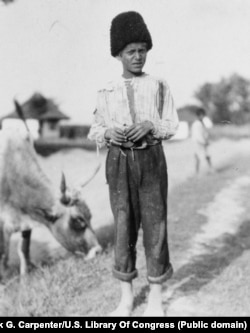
pixel 115 135
pixel 138 131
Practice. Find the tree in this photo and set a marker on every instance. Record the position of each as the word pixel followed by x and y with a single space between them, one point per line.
pixel 227 100
pixel 6 2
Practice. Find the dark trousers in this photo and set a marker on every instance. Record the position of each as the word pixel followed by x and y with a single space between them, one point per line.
pixel 138 186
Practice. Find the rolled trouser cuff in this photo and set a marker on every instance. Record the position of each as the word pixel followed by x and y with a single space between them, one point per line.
pixel 162 278
pixel 127 277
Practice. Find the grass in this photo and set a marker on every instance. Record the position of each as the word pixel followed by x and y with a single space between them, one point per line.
pixel 73 287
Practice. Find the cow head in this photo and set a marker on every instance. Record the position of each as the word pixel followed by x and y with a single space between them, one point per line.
pixel 70 222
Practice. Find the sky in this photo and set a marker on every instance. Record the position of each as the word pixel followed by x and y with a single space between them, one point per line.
pixel 61 48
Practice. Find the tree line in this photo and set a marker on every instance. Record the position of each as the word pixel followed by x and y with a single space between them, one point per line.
pixel 226 101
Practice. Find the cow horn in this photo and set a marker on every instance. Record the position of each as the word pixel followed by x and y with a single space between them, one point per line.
pixel 64 198
pixel 95 172
pixel 20 113
pixel 63 186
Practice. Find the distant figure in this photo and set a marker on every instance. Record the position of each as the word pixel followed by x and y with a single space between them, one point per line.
pixel 200 137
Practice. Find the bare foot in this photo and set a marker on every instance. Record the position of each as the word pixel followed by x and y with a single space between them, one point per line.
pixel 122 311
pixel 152 311
pixel 125 306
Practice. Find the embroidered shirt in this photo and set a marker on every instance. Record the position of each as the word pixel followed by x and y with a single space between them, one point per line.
pixel 126 101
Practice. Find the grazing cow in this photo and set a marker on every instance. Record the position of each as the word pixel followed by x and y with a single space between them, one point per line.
pixel 27 195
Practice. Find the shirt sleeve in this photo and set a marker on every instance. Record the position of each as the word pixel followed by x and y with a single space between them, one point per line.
pixel 99 126
pixel 168 122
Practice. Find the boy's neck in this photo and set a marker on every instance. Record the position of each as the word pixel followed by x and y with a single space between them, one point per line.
pixel 130 75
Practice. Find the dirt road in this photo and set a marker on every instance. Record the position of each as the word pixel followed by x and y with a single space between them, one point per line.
pixel 217 262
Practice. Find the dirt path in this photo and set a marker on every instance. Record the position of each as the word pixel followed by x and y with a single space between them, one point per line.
pixel 223 239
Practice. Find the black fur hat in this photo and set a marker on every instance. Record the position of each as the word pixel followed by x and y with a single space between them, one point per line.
pixel 128 27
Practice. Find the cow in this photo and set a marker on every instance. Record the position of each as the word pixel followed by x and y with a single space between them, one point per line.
pixel 27 197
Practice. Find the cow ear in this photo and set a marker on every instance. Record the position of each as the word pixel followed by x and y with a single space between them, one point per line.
pixel 47 215
pixel 52 218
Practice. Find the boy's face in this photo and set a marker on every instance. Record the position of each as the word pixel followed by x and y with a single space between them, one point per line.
pixel 133 58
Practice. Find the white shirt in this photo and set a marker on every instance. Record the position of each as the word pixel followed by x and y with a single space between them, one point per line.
pixel 199 133
pixel 151 100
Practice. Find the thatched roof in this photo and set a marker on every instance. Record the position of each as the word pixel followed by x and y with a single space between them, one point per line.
pixel 187 113
pixel 40 108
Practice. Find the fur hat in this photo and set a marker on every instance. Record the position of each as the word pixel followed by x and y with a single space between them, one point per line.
pixel 128 27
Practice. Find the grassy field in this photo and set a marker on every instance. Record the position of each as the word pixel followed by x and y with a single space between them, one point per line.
pixel 74 287
pixel 230 131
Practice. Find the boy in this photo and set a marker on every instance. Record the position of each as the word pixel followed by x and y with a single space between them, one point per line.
pixel 200 137
pixel 134 114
